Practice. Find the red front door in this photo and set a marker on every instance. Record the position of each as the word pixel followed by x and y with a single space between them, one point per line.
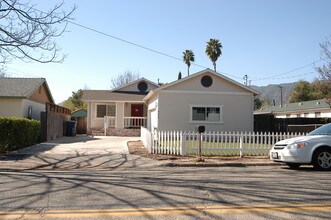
pixel 137 110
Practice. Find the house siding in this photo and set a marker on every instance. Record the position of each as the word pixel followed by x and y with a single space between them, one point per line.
pixel 324 113
pixel 174 111
pixel 36 108
pixel 153 114
pixel 41 95
pixel 11 107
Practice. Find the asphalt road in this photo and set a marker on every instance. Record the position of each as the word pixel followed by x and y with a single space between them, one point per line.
pixel 167 193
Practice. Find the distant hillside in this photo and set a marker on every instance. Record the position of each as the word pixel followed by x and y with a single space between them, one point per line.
pixel 61 103
pixel 272 92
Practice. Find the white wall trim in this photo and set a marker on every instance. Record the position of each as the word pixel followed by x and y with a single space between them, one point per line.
pixel 106 101
pixel 204 92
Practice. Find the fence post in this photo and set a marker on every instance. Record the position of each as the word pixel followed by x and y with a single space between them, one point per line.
pixel 151 140
pixel 182 143
pixel 241 146
pixel 105 125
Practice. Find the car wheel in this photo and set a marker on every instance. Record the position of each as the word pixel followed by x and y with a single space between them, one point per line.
pixel 293 165
pixel 322 159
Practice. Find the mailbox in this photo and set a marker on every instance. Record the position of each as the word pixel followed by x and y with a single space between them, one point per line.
pixel 201 129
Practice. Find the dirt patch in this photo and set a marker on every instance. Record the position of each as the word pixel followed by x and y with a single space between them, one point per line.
pixel 138 148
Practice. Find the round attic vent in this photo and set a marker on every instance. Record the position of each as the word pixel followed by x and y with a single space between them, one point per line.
pixel 206 81
pixel 142 86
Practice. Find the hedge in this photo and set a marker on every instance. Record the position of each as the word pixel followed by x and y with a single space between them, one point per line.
pixel 16 133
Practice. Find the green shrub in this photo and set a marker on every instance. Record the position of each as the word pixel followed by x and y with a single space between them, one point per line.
pixel 16 133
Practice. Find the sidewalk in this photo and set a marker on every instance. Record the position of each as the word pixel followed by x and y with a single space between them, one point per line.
pixel 110 153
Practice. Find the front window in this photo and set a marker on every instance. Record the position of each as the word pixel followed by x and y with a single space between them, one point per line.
pixel 111 110
pixel 106 110
pixel 206 113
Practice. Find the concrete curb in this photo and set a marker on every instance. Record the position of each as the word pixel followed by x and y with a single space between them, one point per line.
pixel 220 164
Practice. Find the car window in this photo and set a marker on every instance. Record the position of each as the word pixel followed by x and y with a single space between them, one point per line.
pixel 324 130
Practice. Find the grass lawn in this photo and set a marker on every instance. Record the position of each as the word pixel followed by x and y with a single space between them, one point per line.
pixel 210 148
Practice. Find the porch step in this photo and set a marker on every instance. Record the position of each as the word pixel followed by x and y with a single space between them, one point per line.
pixel 126 132
pixel 96 132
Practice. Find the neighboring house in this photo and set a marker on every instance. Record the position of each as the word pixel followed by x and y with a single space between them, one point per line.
pixel 204 98
pixel 310 109
pixel 120 111
pixel 24 97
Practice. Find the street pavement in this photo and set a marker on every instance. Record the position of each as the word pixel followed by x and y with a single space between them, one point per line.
pixel 96 178
pixel 167 193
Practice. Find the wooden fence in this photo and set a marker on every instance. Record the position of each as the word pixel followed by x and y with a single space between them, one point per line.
pixel 52 122
pixel 213 143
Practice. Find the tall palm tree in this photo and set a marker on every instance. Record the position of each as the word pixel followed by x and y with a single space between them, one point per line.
pixel 213 50
pixel 188 57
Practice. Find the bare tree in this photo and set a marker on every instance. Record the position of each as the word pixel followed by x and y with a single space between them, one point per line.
pixel 28 34
pixel 124 78
pixel 3 72
pixel 325 69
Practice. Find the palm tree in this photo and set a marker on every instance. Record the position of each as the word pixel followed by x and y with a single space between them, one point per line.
pixel 188 57
pixel 213 50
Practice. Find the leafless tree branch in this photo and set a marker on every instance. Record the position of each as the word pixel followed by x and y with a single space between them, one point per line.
pixel 325 70
pixel 27 33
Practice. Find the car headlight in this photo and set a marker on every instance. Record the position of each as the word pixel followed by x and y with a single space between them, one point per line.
pixel 298 145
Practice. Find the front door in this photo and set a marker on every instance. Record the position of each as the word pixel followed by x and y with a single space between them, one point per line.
pixel 137 110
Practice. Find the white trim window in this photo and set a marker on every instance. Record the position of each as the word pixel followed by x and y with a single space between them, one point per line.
pixel 105 110
pixel 206 113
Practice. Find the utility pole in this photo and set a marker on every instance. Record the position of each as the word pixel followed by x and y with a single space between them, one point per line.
pixel 246 80
pixel 281 95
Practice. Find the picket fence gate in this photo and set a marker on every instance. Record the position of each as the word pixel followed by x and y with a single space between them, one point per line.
pixel 213 143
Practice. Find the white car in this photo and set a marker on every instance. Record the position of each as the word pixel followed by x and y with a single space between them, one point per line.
pixel 314 149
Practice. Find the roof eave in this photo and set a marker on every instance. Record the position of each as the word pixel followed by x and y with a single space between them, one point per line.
pixel 149 95
pixel 133 82
pixel 213 72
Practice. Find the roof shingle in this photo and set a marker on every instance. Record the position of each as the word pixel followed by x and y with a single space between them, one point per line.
pixel 297 106
pixel 19 87
pixel 107 95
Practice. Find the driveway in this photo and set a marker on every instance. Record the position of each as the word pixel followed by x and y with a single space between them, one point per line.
pixel 77 153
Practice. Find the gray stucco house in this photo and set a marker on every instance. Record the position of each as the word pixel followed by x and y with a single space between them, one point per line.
pixel 204 98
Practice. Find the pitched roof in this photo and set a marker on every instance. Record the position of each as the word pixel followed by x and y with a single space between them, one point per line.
pixel 133 82
pixel 21 87
pixel 107 95
pixel 295 107
pixel 80 113
pixel 197 74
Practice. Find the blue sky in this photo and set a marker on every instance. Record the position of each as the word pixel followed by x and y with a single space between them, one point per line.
pixel 260 38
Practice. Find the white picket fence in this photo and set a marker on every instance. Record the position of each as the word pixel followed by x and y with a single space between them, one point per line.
pixel 213 143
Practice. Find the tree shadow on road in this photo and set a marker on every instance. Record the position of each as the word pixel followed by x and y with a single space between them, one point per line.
pixel 37 149
pixel 182 187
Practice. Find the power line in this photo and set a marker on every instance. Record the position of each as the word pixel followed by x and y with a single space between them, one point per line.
pixel 141 46
pixel 21 73
pixel 176 58
pixel 195 64
pixel 291 71
pixel 288 77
